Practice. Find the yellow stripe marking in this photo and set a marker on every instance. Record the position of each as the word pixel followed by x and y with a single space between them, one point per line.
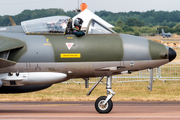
pixel 70 55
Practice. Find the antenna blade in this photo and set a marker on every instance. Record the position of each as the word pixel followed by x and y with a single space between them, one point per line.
pixel 12 21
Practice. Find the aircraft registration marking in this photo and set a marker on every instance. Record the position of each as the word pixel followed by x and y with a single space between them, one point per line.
pixel 70 55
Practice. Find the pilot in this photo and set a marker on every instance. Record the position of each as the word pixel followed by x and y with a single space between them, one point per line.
pixel 77 27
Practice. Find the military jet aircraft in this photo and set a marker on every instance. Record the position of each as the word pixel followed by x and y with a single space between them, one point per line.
pixel 42 52
pixel 166 34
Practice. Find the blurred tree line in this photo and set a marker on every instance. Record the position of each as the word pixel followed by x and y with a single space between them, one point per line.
pixel 125 22
pixel 150 22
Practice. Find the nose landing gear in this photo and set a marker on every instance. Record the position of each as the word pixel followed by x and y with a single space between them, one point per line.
pixel 104 104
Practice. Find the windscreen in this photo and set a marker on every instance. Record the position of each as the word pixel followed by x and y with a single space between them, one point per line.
pixel 96 28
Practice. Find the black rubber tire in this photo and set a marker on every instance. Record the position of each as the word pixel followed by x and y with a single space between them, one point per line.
pixel 106 110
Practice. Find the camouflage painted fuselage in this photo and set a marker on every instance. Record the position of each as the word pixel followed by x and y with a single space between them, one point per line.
pixel 86 56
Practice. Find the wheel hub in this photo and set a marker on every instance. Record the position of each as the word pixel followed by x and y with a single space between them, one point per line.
pixel 101 106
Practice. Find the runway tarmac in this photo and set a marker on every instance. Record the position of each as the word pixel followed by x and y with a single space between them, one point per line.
pixel 86 110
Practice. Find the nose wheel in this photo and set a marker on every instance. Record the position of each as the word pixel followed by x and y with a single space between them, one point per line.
pixel 100 107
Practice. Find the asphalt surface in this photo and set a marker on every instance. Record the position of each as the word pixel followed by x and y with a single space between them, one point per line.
pixel 86 110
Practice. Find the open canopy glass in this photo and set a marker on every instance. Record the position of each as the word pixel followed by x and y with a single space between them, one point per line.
pixel 55 24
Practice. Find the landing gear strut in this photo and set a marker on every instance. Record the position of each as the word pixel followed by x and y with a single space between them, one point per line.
pixel 104 104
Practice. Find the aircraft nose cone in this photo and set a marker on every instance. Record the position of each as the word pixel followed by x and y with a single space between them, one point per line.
pixel 172 54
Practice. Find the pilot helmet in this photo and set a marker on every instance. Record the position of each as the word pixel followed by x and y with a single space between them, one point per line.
pixel 78 22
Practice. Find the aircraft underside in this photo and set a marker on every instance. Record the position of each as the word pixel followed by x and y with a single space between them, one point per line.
pixel 23 74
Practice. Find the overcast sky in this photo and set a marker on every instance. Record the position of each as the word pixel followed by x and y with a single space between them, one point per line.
pixel 13 7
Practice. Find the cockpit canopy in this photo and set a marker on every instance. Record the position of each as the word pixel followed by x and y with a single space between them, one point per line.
pixel 58 24
pixel 55 24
